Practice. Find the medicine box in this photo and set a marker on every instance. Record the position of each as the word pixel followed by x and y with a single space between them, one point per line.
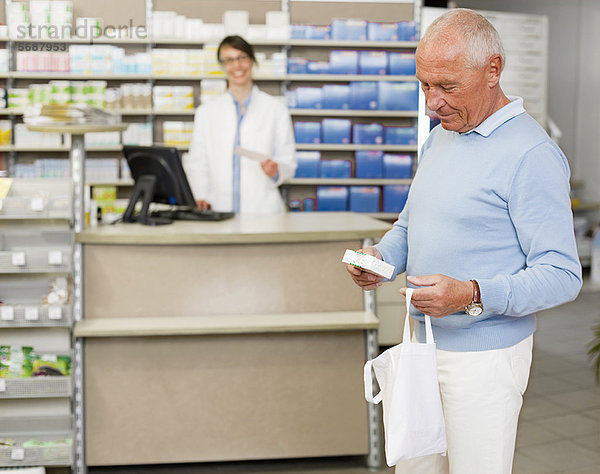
pixel 400 135
pixel 308 164
pixel 343 62
pixel 364 199
pixel 336 169
pixel 368 263
pixel 402 64
pixel 332 198
pixel 318 32
pixel 348 30
pixel 317 67
pixel 407 31
pixel 298 31
pixel 336 96
pixel 297 65
pixel 363 95
pixel 309 98
pixel 308 204
pixel 367 134
pixel 394 197
pixel 369 164
pixel 307 132
pixel 397 166
pixel 398 95
pixel 336 131
pixel 382 31
pixel 373 62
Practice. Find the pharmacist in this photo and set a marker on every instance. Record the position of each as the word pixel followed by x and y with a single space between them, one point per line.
pixel 243 144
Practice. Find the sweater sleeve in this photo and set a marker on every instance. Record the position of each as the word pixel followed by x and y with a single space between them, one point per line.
pixel 540 209
pixel 393 246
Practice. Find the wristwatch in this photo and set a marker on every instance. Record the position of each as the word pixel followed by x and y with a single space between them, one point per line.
pixel 475 308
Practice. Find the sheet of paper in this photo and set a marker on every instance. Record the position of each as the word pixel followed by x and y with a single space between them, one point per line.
pixel 253 155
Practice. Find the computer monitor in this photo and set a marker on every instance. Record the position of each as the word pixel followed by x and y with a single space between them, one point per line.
pixel 159 177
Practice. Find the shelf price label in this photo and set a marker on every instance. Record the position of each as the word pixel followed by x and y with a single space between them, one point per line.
pixel 54 312
pixel 32 313
pixel 18 259
pixel 37 204
pixel 17 454
pixel 7 313
pixel 55 257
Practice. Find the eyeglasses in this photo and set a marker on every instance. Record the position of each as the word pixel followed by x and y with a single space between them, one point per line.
pixel 238 59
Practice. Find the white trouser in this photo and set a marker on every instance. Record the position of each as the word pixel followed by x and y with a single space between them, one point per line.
pixel 482 394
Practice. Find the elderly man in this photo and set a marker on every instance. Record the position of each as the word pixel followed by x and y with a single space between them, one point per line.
pixel 487 239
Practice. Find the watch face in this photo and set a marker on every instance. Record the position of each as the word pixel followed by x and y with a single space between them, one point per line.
pixel 474 309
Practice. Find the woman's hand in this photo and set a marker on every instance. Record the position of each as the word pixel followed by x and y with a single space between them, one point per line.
pixel 270 168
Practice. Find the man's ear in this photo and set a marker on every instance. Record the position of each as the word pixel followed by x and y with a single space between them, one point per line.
pixel 494 70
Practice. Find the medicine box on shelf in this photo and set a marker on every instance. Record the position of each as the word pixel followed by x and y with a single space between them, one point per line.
pixel 398 96
pixel 336 169
pixel 332 198
pixel 402 64
pixel 400 135
pixel 363 95
pixel 364 198
pixel 397 166
pixel 382 31
pixel 343 62
pixel 336 96
pixel 367 134
pixel 307 132
pixel 297 65
pixel 309 97
pixel 308 164
pixel 369 164
pixel 336 131
pixel 349 29
pixel 317 67
pixel 407 31
pixel 394 197
pixel 373 62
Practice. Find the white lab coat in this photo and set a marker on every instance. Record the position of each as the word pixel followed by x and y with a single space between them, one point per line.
pixel 266 128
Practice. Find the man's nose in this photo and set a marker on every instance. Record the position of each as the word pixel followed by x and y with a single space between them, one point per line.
pixel 434 99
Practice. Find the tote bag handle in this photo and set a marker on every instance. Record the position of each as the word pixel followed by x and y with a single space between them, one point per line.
pixel 368 372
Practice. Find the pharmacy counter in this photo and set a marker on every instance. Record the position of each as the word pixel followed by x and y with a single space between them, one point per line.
pixel 220 341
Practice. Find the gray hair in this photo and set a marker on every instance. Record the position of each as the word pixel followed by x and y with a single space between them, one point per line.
pixel 481 39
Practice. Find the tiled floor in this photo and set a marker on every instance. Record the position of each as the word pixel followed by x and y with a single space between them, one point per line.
pixel 559 431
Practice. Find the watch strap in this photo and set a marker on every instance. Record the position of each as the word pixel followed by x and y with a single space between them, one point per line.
pixel 476 292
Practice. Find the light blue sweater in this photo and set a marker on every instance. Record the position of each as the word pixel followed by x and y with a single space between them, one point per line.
pixel 491 204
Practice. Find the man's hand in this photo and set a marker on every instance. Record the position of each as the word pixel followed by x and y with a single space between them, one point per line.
pixel 202 205
pixel 270 168
pixel 367 281
pixel 441 294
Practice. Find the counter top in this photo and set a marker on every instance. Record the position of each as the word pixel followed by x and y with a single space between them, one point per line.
pixel 243 229
pixel 226 324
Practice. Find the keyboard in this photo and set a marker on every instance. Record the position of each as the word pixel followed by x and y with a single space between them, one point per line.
pixel 193 215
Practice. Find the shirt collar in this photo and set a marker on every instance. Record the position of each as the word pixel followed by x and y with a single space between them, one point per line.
pixel 246 102
pixel 510 110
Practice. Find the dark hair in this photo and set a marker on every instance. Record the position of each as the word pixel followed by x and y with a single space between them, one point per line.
pixel 239 43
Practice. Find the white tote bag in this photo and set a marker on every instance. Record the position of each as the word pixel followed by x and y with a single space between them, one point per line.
pixel 412 409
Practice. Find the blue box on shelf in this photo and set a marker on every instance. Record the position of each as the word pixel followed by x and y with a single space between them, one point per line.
pixel 368 164
pixel 367 133
pixel 336 96
pixel 317 67
pixel 309 98
pixel 336 169
pixel 332 198
pixel 364 198
pixel 373 62
pixel 394 197
pixel 297 65
pixel 336 130
pixel 308 164
pixel 382 31
pixel 363 95
pixel 400 135
pixel 407 31
pixel 298 31
pixel 398 95
pixel 315 32
pixel 307 132
pixel 402 64
pixel 397 166
pixel 308 204
pixel 343 62
pixel 348 30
